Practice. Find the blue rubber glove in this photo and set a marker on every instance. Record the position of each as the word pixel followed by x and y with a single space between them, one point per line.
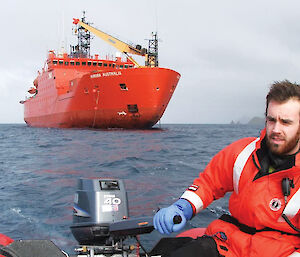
pixel 163 219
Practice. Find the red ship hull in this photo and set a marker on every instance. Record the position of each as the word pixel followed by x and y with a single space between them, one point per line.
pixel 131 98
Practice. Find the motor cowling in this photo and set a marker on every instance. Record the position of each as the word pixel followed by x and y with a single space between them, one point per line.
pixel 97 204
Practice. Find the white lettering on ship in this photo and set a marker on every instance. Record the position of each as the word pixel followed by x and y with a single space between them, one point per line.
pixel 106 74
pixel 111 73
pixel 95 75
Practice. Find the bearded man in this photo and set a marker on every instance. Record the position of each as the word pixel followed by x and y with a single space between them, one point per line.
pixel 263 175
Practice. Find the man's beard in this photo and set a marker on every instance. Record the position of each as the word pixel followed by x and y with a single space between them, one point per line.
pixel 287 147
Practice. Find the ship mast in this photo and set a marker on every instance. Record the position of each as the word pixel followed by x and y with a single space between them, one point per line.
pixel 152 54
pixel 82 49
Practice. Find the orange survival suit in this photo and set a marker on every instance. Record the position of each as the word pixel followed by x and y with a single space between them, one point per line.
pixel 257 202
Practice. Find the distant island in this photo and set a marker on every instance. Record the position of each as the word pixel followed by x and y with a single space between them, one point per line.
pixel 257 121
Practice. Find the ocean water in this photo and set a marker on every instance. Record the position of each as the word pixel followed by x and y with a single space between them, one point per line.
pixel 40 167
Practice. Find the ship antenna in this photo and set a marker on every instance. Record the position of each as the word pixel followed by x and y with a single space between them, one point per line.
pixel 62 41
pixel 156 17
pixel 152 56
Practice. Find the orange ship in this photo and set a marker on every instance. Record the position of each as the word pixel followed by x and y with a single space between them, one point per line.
pixel 78 90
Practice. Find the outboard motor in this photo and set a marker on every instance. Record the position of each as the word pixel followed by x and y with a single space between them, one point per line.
pixel 100 218
pixel 97 204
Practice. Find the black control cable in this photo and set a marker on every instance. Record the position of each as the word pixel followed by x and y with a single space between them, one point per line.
pixel 287 184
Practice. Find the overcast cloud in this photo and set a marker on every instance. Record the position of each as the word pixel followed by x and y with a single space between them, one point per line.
pixel 228 52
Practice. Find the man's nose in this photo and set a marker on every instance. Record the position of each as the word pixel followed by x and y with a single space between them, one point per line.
pixel 277 127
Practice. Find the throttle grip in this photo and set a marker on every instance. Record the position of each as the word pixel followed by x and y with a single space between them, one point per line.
pixel 177 219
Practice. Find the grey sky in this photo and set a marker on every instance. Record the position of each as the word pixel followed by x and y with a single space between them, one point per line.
pixel 228 52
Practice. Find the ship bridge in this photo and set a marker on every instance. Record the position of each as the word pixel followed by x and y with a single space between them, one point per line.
pixel 65 61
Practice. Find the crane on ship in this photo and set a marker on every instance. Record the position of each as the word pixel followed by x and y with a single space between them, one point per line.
pixel 151 55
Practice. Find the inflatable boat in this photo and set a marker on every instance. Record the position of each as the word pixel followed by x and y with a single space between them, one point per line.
pixel 101 225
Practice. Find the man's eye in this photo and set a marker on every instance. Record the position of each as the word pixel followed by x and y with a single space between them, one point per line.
pixel 287 122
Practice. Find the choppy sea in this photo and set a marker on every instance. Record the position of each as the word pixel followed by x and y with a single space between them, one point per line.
pixel 40 167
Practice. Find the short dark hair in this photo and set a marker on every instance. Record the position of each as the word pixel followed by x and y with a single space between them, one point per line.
pixel 282 91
